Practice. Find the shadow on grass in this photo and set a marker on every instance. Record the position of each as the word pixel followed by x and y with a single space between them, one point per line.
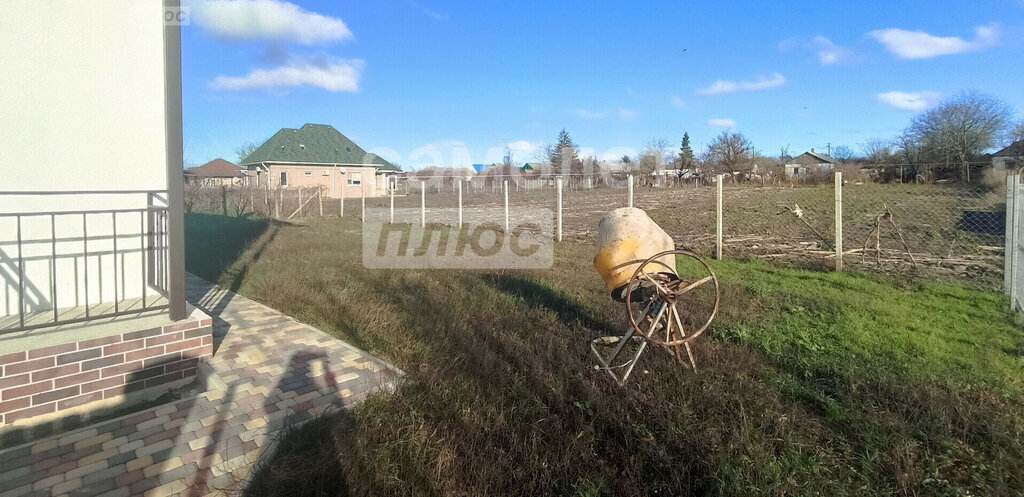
pixel 540 296
pixel 214 243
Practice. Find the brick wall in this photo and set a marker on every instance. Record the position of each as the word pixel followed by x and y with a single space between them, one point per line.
pixel 57 378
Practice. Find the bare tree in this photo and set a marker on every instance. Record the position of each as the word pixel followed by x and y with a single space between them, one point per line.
pixel 962 127
pixel 730 153
pixel 652 159
pixel 877 151
pixel 842 153
pixel 243 151
pixel 784 154
pixel 1017 133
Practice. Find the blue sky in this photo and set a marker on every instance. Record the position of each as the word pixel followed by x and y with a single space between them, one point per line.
pixel 426 82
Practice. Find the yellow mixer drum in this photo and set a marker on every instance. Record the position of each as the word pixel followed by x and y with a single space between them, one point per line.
pixel 626 237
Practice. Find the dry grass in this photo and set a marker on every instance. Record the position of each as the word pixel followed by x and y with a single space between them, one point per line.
pixel 810 383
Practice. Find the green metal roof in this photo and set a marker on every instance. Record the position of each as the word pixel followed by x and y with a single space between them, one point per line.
pixel 317 144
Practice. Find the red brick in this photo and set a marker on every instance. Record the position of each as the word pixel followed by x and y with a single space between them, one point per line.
pixel 162 339
pixel 208 340
pixel 118 348
pixel 47 397
pixel 206 322
pixel 13 357
pixel 121 369
pixel 162 360
pixel 98 342
pixel 188 373
pixel 134 386
pixel 183 364
pixel 142 334
pixel 13 405
pixel 143 374
pixel 76 379
pixel 187 344
pixel 197 333
pixel 13 393
pixel 77 401
pixel 54 350
pixel 206 349
pixel 102 362
pixel 102 384
pixel 159 380
pixel 144 353
pixel 181 325
pixel 13 381
pixel 79 356
pixel 113 392
pixel 49 373
pixel 28 413
pixel 25 367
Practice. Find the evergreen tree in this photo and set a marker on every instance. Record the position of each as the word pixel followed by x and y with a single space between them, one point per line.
pixel 686 159
pixel 564 156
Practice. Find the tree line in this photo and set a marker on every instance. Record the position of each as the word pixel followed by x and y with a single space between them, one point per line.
pixel 944 142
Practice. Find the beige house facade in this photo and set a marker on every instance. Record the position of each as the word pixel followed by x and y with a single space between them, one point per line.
pixel 319 155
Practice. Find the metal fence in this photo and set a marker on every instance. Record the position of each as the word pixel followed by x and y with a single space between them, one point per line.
pixel 950 231
pixel 70 266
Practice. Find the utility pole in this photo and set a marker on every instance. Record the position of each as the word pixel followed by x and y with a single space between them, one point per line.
pixel 828 146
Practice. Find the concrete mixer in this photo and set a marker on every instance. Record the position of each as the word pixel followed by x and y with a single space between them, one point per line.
pixel 671 295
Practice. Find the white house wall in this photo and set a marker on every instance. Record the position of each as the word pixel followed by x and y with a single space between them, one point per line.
pixel 83 105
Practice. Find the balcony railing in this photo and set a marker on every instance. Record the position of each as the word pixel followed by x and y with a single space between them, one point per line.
pixel 71 266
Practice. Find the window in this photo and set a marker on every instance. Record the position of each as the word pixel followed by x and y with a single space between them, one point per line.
pixel 355 179
pixel 325 172
pixel 284 178
pixel 309 174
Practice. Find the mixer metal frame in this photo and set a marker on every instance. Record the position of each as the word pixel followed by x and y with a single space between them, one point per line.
pixel 658 294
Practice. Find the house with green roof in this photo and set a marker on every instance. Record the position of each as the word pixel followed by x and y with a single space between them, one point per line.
pixel 319 155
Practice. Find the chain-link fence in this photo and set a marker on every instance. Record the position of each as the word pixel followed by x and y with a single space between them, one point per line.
pixel 952 231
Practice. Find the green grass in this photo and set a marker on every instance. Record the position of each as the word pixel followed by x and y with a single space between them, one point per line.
pixel 810 383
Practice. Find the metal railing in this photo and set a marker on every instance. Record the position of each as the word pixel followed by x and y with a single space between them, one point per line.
pixel 87 237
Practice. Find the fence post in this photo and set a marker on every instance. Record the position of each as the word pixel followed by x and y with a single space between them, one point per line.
pixel 224 199
pixel 280 200
pixel 362 198
pixel 320 199
pixel 460 203
pixel 300 202
pixel 839 220
pixel 1010 238
pixel 718 218
pixel 630 189
pixel 505 185
pixel 558 222
pixel 341 200
pixel 423 204
pixel 1015 248
pixel 392 216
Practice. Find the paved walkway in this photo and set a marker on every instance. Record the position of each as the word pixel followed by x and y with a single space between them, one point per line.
pixel 269 370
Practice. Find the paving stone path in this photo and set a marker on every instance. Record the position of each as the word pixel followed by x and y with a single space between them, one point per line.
pixel 268 370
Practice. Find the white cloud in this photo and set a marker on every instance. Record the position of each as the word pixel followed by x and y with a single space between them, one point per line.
pixel 331 75
pixel 626 114
pixel 523 146
pixel 722 123
pixel 245 20
pixel 722 87
pixel 829 53
pixel 588 114
pixel 920 45
pixel 677 102
pixel 909 100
